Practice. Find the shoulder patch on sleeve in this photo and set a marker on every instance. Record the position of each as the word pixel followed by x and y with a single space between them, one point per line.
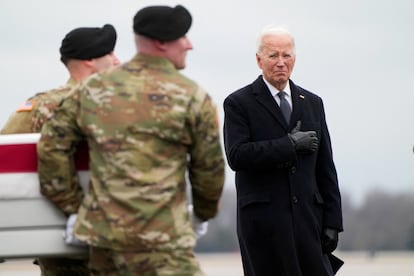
pixel 26 106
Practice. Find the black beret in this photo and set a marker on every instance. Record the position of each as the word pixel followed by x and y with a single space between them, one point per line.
pixel 162 22
pixel 88 43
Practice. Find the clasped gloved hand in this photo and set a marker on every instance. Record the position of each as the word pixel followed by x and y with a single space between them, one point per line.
pixel 304 141
pixel 329 240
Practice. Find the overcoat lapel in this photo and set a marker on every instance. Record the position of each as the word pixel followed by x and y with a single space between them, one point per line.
pixel 264 97
pixel 298 101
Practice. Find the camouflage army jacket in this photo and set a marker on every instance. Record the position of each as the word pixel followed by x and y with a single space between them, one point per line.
pixel 31 115
pixel 148 127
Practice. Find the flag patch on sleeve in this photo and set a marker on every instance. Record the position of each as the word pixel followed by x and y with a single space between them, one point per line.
pixel 26 106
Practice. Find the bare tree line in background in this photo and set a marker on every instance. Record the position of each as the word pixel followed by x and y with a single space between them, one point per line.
pixel 383 221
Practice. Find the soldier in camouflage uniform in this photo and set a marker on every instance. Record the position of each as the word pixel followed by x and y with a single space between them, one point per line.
pixel 147 126
pixel 84 51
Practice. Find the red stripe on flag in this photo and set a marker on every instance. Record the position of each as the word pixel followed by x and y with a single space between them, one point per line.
pixel 16 158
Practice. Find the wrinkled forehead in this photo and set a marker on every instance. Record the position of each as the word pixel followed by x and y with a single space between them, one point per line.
pixel 279 43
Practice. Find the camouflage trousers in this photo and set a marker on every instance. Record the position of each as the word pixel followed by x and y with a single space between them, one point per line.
pixel 63 266
pixel 105 262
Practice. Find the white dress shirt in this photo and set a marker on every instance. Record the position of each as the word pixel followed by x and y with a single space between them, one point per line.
pixel 274 92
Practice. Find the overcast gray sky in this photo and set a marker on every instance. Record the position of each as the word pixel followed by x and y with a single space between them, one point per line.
pixel 357 55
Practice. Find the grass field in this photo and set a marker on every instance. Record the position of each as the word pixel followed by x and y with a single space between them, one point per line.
pixel 356 264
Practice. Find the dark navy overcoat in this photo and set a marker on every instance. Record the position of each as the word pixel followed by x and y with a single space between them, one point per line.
pixel 284 199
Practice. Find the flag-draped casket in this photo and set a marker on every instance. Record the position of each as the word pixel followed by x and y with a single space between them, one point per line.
pixel 30 226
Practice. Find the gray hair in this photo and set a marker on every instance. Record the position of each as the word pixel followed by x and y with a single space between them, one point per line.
pixel 273 30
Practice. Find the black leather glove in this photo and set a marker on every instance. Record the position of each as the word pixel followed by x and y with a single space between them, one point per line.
pixel 304 141
pixel 329 240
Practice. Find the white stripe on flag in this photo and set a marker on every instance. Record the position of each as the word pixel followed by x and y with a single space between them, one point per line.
pixel 26 185
pixel 26 138
pixel 19 185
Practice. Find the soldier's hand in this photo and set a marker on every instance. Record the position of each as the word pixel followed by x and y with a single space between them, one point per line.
pixel 200 227
pixel 68 235
pixel 304 141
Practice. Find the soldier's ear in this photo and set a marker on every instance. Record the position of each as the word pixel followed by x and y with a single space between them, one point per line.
pixel 88 63
pixel 160 45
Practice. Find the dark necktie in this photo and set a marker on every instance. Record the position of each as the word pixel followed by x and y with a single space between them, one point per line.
pixel 284 106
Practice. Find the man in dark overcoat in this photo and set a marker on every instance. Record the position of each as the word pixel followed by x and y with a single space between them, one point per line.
pixel 288 200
